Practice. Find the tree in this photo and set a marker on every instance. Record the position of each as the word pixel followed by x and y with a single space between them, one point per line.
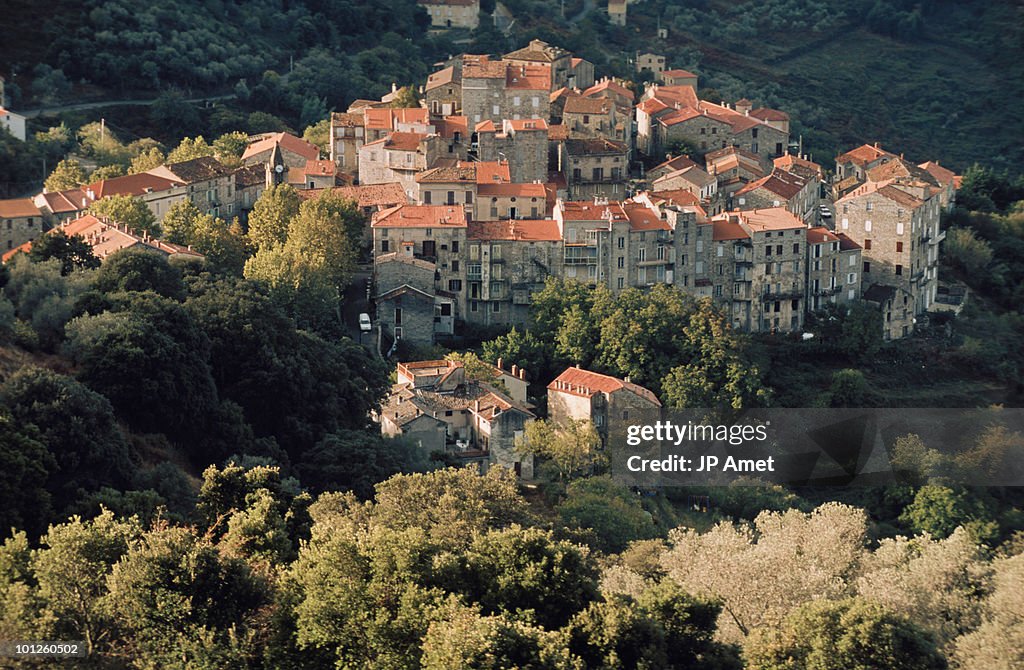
pixel 934 583
pixel 49 85
pixel 147 160
pixel 229 147
pixel 861 333
pixel 67 175
pixel 128 211
pixel 466 640
pixel 849 389
pixel 25 467
pixel 939 511
pixel 190 148
pixel 72 571
pixel 140 270
pixel 999 641
pixel 73 253
pixel 406 97
pixel 522 569
pixel 78 427
pixel 106 172
pixel 271 215
pixel 319 134
pixel 176 115
pixel 522 348
pixel 351 460
pixel 179 223
pixel 851 634
pixel 150 359
pixel 612 512
pixel 225 247
pixel 763 572
pixel 966 251
pixel 175 594
pixel 573 448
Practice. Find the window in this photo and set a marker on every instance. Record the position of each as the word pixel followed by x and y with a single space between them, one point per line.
pixel 455 247
pixel 867 245
pixel 853 260
pixel 642 254
pixel 496 307
pixel 899 270
pixel 867 207
pixel 719 250
pixel 753 133
pixel 621 282
pixel 398 316
pixel 621 262
pixel 778 249
pixel 899 228
pixel 496 110
pixel 867 226
pixel 718 290
pixel 517 101
pixel 768 250
pixel 867 266
pixel 455 285
pixel 384 247
pixel 796 248
pixel 622 243
pixel 455 266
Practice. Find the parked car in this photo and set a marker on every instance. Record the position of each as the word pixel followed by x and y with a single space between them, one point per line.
pixel 364 322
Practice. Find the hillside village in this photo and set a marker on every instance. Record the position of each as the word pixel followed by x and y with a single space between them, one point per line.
pixel 517 168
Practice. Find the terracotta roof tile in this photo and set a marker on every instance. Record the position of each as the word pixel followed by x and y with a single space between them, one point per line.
pixel 18 208
pixel 289 142
pixel 578 381
pixel 421 216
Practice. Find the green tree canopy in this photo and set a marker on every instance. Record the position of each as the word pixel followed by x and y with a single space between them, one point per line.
pixel 73 253
pixel 129 211
pixel 68 174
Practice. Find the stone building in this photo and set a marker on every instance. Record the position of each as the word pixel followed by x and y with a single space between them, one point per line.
pixel 611 404
pixel 617 12
pixel 679 78
pixel 668 114
pixel 733 168
pixel 398 158
pixel 437 404
pixel 896 222
pixel 432 233
pixel 509 262
pixel 452 13
pixel 833 269
pixel 593 117
pixel 20 221
pixel 797 194
pixel 653 63
pixel 856 162
pixel 595 167
pixel 410 306
pixel 348 134
pixel 522 143
pixel 210 184
pixel 443 91
pixel 158 192
pixel 495 90
pixel 897 307
pixel 539 52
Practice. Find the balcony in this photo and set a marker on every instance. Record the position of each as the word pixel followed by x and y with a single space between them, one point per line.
pixel 580 255
pixel 791 294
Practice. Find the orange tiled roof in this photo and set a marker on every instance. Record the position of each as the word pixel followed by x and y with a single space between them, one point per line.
pixel 520 125
pixel 642 218
pixel 773 218
pixel 942 175
pixel 295 145
pixel 492 172
pixel 132 184
pixel 724 230
pixel 16 209
pixel 678 74
pixel 778 182
pixel 421 216
pixel 578 105
pixel 347 119
pixel 440 78
pixel 578 381
pixel 862 155
pixel 609 85
pixel 820 235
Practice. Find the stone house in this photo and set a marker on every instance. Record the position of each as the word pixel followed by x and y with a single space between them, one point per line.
pixel 443 91
pixel 581 73
pixel 480 422
pixel 653 63
pixel 60 206
pixel 410 306
pixel 381 122
pixel 679 78
pixel 20 221
pixel 611 404
pixel 495 90
pixel 522 143
pixel 250 182
pixel 856 162
pixel 945 179
pixel 539 52
pixel 671 164
pixel 897 307
pixel 592 117
pixel 433 233
pixel 398 158
pixel 348 134
pixel 781 189
pixel 595 167
pixel 733 168
pixel 509 262
pixel 833 269
pixel 499 201
pixel 896 222
pixel 617 12
pixel 452 13
pixel 210 184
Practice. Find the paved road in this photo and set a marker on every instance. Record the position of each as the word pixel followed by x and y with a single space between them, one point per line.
pixel 32 113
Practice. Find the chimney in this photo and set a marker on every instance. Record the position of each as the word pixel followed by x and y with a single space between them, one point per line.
pixel 522 374
pixel 515 370
pixel 499 362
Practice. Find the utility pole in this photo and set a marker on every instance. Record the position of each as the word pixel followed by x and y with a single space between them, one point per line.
pixel 103 128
